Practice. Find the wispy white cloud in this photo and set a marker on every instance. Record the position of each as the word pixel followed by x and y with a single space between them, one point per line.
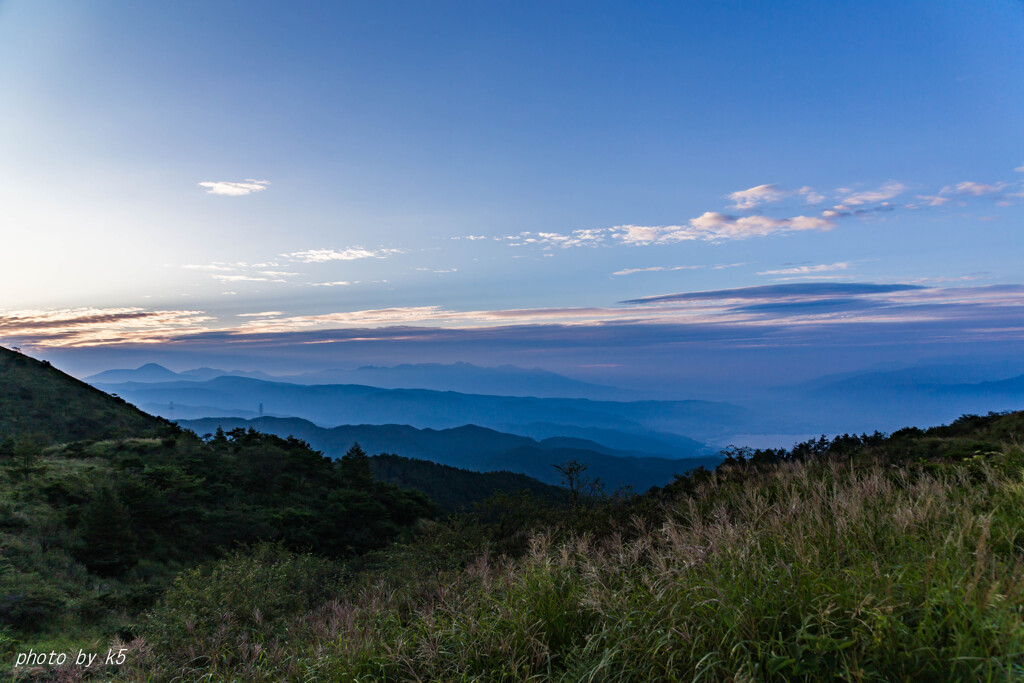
pixel 930 200
pixel 973 189
pixel 810 196
pixel 336 283
pixel 806 270
pixel 264 314
pixel 349 254
pixel 744 200
pixel 98 326
pixel 232 189
pixel 244 278
pixel 652 269
pixel 576 238
pixel 216 265
pixel 887 191
pixel 712 226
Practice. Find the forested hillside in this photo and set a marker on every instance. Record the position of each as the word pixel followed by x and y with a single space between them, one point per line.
pixel 93 531
pixel 40 402
pixel 476 448
pixel 866 557
pixel 247 556
pixel 457 489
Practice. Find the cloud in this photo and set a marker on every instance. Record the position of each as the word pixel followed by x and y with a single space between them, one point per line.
pixel 350 254
pixel 744 200
pixel 719 266
pixel 232 189
pixel 799 317
pixel 577 238
pixel 810 289
pixel 715 226
pixel 886 191
pixel 805 270
pixel 810 196
pixel 811 306
pixel 243 278
pixel 712 226
pixel 336 283
pixel 973 189
pixel 92 326
pixel 931 200
pixel 630 271
pixel 216 265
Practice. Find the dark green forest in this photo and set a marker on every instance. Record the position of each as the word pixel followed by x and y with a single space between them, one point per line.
pixel 250 557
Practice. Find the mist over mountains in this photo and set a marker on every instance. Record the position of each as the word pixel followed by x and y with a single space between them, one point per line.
pixel 679 426
pixel 503 380
pixel 434 395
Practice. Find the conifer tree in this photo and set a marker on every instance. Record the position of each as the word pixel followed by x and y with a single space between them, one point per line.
pixel 355 467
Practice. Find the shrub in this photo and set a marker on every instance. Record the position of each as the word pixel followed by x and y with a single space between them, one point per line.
pixel 211 613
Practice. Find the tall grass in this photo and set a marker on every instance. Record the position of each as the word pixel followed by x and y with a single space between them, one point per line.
pixel 804 572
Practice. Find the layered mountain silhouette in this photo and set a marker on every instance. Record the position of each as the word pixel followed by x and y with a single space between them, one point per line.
pixel 334 404
pixel 474 448
pixel 503 380
pixel 922 395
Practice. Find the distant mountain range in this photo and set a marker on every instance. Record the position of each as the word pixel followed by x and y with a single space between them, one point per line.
pixel 474 448
pixel 42 405
pixel 504 380
pixel 611 423
pixel 928 394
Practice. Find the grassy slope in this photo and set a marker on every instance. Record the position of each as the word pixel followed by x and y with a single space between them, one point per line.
pixel 40 401
pixel 878 559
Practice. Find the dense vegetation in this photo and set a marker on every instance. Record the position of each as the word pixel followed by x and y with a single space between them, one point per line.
pixel 38 401
pixel 91 532
pixel 863 557
pixel 249 557
pixel 482 450
pixel 456 489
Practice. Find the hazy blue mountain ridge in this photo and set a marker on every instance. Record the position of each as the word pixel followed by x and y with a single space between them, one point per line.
pixel 329 405
pixel 474 448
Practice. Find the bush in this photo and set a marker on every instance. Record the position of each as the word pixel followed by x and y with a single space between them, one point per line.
pixel 27 602
pixel 249 597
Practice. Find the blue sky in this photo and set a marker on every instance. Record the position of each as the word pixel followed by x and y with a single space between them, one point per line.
pixel 514 172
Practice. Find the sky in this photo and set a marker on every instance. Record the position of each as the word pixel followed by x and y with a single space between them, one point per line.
pixel 685 194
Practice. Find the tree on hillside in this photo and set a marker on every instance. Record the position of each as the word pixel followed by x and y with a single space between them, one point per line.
pixel 574 478
pixel 108 545
pixel 355 467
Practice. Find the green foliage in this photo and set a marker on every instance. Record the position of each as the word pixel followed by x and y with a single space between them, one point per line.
pixel 96 530
pixel 455 489
pixel 355 467
pixel 105 528
pixel 38 401
pixel 247 599
pixel 856 559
